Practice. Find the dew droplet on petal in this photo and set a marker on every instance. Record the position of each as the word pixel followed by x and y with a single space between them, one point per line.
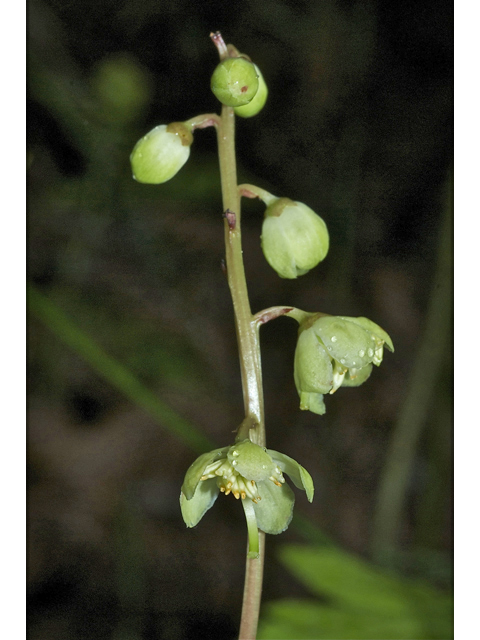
pixel 342 360
pixel 361 353
pixel 334 338
pixel 370 353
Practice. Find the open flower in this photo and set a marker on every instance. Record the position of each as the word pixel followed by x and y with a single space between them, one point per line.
pixel 333 351
pixel 251 474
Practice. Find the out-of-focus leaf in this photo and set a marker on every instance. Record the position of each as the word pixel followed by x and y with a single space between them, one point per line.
pixel 357 601
pixel 311 620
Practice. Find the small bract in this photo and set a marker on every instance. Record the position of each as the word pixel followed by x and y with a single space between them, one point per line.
pixel 161 153
pixel 235 82
pixel 294 238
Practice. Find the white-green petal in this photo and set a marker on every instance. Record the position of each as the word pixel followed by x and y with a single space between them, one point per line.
pixel 312 368
pixel 374 328
pixel 298 474
pixel 312 402
pixel 356 377
pixel 251 461
pixel 197 468
pixel 194 509
pixel 274 511
pixel 276 248
pixel 345 341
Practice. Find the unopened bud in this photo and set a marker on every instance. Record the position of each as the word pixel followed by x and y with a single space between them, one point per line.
pixel 160 154
pixel 294 238
pixel 235 82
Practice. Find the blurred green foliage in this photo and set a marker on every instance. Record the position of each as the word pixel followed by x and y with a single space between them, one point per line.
pixel 354 600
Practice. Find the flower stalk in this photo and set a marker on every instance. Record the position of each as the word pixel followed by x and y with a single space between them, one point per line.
pixel 248 342
pixel 332 351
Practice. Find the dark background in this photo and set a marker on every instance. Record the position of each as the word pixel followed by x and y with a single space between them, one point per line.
pixel 358 126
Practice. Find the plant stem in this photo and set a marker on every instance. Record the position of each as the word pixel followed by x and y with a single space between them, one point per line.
pixel 246 326
pixel 247 329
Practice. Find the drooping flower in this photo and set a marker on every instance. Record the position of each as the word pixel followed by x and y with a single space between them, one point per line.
pixel 251 474
pixel 335 351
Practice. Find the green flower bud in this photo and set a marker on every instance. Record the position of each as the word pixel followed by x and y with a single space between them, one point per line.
pixel 333 351
pixel 294 238
pixel 258 101
pixel 250 473
pixel 160 154
pixel 235 82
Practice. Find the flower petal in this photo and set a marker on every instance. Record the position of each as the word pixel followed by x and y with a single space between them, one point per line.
pixel 275 510
pixel 251 461
pixel 346 341
pixel 356 377
pixel 196 469
pixel 312 402
pixel 194 509
pixel 374 328
pixel 299 475
pixel 312 369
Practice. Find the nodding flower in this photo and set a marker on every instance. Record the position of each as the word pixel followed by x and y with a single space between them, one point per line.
pixel 253 475
pixel 335 351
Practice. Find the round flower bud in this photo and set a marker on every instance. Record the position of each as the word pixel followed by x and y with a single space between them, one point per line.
pixel 258 101
pixel 160 154
pixel 235 82
pixel 294 238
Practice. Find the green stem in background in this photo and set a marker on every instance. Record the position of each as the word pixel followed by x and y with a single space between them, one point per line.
pixel 114 372
pixel 413 415
pixel 247 335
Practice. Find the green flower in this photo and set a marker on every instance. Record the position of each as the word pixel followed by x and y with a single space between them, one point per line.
pixel 333 351
pixel 161 153
pixel 294 238
pixel 250 473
